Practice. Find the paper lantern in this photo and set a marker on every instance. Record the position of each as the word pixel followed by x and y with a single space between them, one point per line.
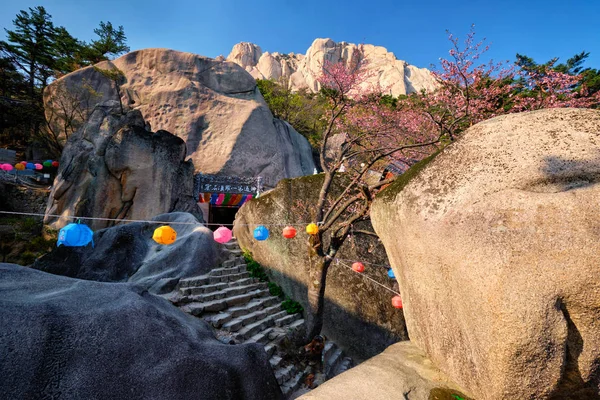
pixel 23 162
pixel 289 232
pixel 47 163
pixel 358 267
pixel 261 233
pixel 312 229
pixel 222 235
pixel 3 167
pixel 75 235
pixel 55 164
pixel 8 167
pixel 397 302
pixel 30 166
pixel 220 199
pixel 38 167
pixel 164 235
pixel 391 273
pixel 19 167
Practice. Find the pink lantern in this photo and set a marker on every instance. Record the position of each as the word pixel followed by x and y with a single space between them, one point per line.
pixel 222 235
pixel 39 167
pixel 7 167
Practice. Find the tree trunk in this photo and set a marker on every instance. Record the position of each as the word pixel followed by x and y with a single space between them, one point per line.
pixel 319 264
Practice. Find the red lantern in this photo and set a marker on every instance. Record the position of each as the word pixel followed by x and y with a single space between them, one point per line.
pixel 55 164
pixel 358 267
pixel 289 232
pixel 397 302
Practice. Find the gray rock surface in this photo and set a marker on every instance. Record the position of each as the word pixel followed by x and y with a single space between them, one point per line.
pixel 114 168
pixel 402 371
pixel 495 244
pixel 127 253
pixel 214 106
pixel 72 339
pixel 299 71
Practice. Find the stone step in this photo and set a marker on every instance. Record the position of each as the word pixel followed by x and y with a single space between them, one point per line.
pixel 232 244
pixel 254 305
pixel 224 271
pixel 328 349
pixel 260 337
pixel 288 319
pixel 296 325
pixel 217 320
pixel 233 262
pixel 252 329
pixel 283 374
pixel 228 277
pixel 236 252
pixel 246 297
pixel 332 362
pixel 193 281
pixel 197 309
pixel 292 384
pixel 227 292
pixel 271 347
pixel 194 290
pixel 243 281
pixel 275 361
pixel 343 366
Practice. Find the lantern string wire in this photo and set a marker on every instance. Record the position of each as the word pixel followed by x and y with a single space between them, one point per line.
pixel 338 261
pixel 366 263
pixel 143 220
pixel 367 277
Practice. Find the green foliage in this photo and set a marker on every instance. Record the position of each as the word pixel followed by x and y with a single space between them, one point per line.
pixel 291 306
pixel 30 223
pixel 27 258
pixel 34 53
pixel 257 271
pixel 275 289
pixel 303 110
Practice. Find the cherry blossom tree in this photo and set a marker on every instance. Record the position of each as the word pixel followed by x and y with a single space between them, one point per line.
pixel 361 133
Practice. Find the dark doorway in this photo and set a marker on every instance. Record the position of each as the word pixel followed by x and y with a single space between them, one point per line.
pixel 221 216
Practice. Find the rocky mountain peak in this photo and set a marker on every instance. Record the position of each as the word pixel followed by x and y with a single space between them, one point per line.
pixel 300 71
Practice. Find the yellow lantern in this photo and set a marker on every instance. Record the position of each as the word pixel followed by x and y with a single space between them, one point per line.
pixel 164 235
pixel 312 229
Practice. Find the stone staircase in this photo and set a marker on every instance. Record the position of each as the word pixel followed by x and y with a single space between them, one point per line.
pixel 241 310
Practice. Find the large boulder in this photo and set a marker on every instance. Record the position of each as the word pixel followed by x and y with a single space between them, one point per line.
pixel 214 106
pixel 300 71
pixel 495 244
pixel 402 371
pixel 114 168
pixel 127 253
pixel 71 339
pixel 358 316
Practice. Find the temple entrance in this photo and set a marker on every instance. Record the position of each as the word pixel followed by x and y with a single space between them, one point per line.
pixel 220 197
pixel 221 216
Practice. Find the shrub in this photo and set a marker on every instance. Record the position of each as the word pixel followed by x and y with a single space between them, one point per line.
pixel 275 289
pixel 291 306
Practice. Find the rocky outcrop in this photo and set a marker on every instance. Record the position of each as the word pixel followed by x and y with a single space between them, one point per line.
pixel 402 371
pixel 495 246
pixel 213 106
pixel 114 168
pixel 299 71
pixel 127 253
pixel 358 316
pixel 72 339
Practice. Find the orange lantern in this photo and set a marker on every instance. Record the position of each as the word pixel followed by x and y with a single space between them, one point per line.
pixel 358 267
pixel 397 302
pixel 164 235
pixel 289 232
pixel 312 229
pixel 19 167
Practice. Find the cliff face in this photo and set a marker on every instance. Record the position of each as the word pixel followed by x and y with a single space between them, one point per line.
pixel 213 106
pixel 300 71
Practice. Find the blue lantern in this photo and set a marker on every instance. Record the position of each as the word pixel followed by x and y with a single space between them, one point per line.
pixel 30 165
pixel 261 233
pixel 75 235
pixel 391 273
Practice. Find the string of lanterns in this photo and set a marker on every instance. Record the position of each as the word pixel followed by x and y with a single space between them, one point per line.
pixel 80 235
pixel 23 165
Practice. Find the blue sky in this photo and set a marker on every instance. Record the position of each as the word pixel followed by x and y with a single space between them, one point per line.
pixel 414 30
